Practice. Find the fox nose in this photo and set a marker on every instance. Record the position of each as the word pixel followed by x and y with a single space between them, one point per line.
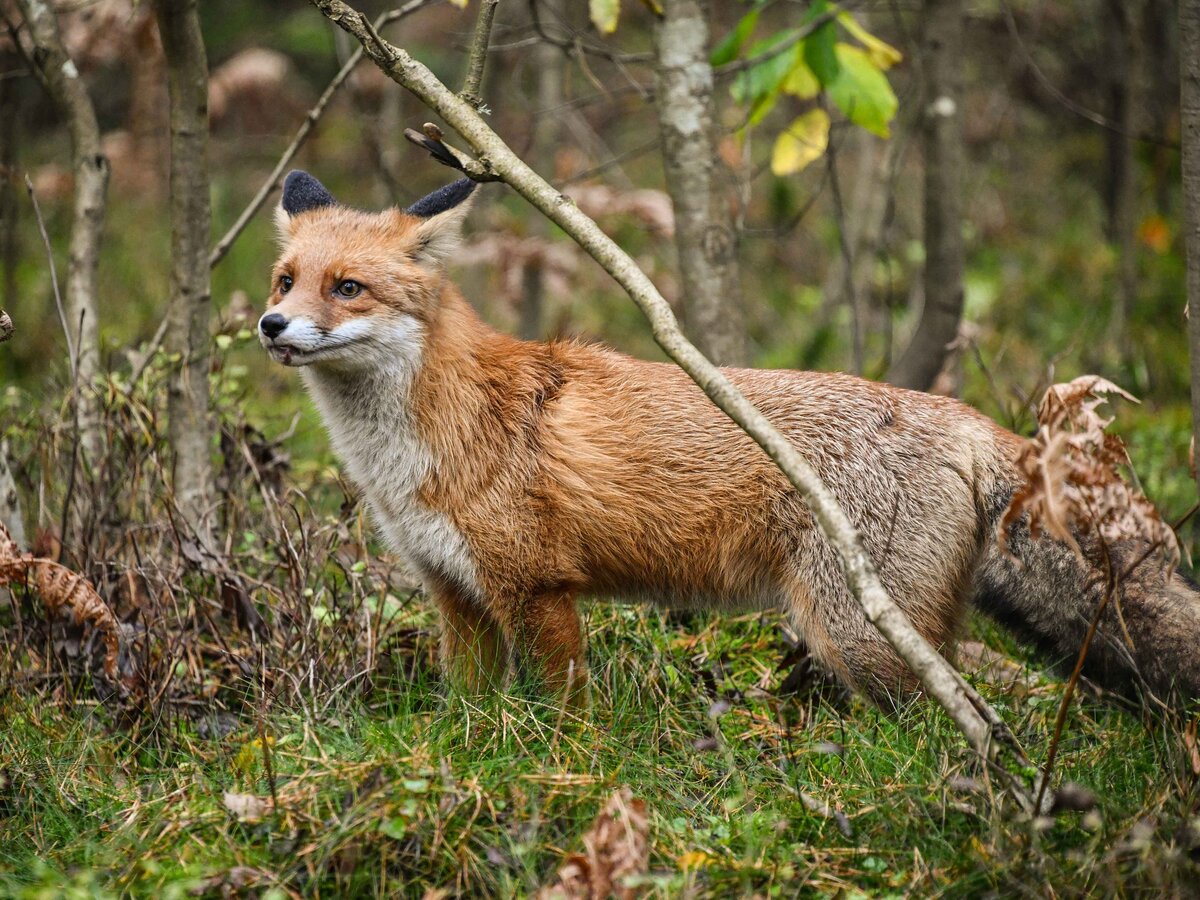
pixel 272 325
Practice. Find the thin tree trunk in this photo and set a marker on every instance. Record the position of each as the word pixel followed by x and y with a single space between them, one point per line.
pixel 1121 31
pixel 191 299
pixel 61 79
pixel 1189 114
pixel 704 231
pixel 9 109
pixel 549 63
pixel 942 143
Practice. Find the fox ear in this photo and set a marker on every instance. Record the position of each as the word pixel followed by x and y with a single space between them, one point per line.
pixel 301 193
pixel 442 214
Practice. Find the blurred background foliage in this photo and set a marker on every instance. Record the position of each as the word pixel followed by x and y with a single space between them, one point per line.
pixel 1042 284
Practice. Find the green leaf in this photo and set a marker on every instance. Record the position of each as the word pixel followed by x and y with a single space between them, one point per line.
pixel 767 76
pixel 804 141
pixel 727 50
pixel 882 54
pixel 224 341
pixel 820 47
pixel 604 14
pixel 862 91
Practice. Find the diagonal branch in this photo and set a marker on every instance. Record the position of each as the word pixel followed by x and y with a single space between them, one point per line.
pixel 980 725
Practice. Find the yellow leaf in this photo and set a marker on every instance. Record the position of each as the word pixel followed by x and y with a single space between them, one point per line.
pixel 882 54
pixel 801 81
pixel 694 859
pixel 804 140
pixel 461 4
pixel 604 14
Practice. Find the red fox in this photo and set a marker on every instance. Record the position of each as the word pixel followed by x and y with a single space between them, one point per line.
pixel 516 476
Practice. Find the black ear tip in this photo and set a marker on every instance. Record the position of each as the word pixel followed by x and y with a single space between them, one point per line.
pixel 302 192
pixel 442 199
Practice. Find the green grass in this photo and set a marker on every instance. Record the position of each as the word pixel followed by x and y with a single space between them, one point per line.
pixel 405 789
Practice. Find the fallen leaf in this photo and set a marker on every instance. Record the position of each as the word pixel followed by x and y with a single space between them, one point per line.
pixel 615 847
pixel 247 807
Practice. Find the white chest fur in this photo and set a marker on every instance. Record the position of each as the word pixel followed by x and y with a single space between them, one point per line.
pixel 366 415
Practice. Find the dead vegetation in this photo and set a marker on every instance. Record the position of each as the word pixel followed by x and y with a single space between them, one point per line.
pixel 1072 468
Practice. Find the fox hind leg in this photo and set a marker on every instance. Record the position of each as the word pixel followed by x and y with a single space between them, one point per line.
pixel 548 635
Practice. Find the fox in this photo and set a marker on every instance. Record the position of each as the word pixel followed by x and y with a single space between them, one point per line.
pixel 516 477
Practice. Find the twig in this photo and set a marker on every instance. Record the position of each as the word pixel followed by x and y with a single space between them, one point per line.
pixel 275 179
pixel 58 302
pixel 979 724
pixel 477 56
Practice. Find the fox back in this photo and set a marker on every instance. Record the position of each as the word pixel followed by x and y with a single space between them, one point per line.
pixel 516 476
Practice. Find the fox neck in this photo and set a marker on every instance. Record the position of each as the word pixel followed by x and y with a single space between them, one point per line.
pixel 406 418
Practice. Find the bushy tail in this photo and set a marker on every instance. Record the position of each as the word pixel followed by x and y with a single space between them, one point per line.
pixel 1148 635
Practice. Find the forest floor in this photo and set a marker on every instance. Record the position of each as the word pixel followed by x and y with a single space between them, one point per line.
pixel 400 790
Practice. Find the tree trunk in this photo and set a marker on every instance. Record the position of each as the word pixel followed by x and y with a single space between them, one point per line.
pixel 1123 20
pixel 704 231
pixel 9 114
pixel 61 79
pixel 549 63
pixel 191 299
pixel 942 144
pixel 1189 114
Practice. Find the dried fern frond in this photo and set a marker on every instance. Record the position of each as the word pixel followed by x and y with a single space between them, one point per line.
pixel 615 847
pixel 63 591
pixel 1072 479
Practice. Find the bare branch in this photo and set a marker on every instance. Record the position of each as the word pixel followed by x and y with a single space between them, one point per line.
pixel 477 55
pixel 58 302
pixel 980 724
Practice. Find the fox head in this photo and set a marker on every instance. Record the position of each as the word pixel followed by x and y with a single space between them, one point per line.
pixel 353 289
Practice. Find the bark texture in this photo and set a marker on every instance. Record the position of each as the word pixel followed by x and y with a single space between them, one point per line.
pixel 1189 114
pixel 59 75
pixel 547 132
pixel 942 143
pixel 191 299
pixel 704 231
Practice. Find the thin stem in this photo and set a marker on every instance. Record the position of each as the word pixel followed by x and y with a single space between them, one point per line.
pixel 58 301
pixel 477 56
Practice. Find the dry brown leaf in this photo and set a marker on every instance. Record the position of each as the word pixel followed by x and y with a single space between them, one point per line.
pixel 247 807
pixel 615 847
pixel 1189 741
pixel 652 208
pixel 63 591
pixel 1072 475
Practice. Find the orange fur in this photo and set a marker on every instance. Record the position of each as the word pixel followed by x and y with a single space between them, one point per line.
pixel 549 471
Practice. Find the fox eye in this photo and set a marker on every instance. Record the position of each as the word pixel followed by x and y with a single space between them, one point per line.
pixel 349 289
pixel 285 283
